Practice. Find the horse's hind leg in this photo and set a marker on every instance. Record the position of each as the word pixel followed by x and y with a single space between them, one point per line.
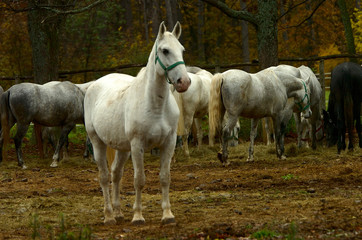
pixel 100 150
pixel 62 139
pixel 230 124
pixel 117 173
pixel 18 139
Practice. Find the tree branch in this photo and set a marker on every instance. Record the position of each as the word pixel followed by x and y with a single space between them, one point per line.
pixel 309 17
pixel 52 8
pixel 241 15
pixel 291 8
pixel 74 11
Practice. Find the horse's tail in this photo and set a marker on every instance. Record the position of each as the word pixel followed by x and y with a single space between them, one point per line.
pixel 216 107
pixel 181 122
pixel 5 116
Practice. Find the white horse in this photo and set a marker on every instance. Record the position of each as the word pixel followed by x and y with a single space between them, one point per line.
pixel 253 96
pixel 315 121
pixel 135 117
pixel 307 129
pixel 194 105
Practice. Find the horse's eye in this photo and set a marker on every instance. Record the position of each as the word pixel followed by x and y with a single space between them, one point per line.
pixel 165 51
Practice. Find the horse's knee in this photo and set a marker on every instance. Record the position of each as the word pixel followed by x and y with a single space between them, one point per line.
pixel 139 180
pixel 165 179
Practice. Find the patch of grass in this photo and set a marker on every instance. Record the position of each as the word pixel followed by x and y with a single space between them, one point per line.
pixel 42 232
pixel 292 235
pixel 264 234
pixel 289 177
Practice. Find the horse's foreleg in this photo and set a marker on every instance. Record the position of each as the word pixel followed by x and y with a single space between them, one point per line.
pixel 139 179
pixel 197 123
pixel 62 139
pixel 278 138
pixel 117 173
pixel 299 128
pixel 357 118
pixel 269 134
pixel 253 133
pixel 18 139
pixel 314 119
pixel 165 178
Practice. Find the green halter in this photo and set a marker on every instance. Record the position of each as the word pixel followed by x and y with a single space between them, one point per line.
pixel 299 104
pixel 166 69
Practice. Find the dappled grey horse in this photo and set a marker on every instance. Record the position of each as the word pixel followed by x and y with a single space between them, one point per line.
pixel 52 104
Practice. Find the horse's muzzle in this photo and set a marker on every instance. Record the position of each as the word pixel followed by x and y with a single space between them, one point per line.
pixel 182 84
pixel 307 114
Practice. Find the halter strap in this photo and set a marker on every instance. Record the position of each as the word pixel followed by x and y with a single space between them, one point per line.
pixel 299 104
pixel 166 69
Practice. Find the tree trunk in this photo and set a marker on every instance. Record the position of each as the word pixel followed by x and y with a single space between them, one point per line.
pixel 44 36
pixel 245 38
pixel 347 27
pixel 155 17
pixel 127 6
pixel 200 31
pixel 267 33
pixel 169 14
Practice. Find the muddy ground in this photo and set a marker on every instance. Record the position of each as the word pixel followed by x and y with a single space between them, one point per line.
pixel 310 195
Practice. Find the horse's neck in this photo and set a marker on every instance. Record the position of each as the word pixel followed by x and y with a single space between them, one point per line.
pixel 293 86
pixel 157 90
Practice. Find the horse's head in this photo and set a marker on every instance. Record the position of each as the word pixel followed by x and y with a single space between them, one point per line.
pixel 169 57
pixel 330 129
pixel 304 103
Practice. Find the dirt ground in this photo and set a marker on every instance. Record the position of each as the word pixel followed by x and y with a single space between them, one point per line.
pixel 310 195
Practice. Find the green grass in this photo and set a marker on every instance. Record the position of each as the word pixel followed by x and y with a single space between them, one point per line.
pixel 40 231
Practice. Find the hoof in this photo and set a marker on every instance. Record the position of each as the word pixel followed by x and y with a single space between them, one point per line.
pixel 219 156
pixel 250 159
pixel 110 221
pixel 119 218
pixel 54 165
pixel 138 222
pixel 24 167
pixel 168 221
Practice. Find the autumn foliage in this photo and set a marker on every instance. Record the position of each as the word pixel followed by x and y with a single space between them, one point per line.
pixel 102 38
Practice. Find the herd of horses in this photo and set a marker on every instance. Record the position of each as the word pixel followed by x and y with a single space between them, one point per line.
pixel 136 114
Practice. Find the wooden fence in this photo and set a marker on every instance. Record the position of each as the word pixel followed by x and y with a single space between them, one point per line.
pixel 323 77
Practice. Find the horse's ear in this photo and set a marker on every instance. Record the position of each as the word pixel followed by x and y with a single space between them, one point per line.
pixel 177 30
pixel 308 80
pixel 161 30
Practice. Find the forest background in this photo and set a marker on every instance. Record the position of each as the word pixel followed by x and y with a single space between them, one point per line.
pixel 117 32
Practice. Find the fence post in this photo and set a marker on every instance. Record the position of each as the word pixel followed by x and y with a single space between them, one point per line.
pixel 323 85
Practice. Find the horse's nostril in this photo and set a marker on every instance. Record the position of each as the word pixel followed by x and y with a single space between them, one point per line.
pixel 179 81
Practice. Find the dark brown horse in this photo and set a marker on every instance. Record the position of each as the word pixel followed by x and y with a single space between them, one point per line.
pixel 344 106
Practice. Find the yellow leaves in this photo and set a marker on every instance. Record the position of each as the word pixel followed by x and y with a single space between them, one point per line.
pixel 330 49
pixel 357 29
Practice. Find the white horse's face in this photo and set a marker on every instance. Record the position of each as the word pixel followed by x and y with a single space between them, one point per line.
pixel 169 58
